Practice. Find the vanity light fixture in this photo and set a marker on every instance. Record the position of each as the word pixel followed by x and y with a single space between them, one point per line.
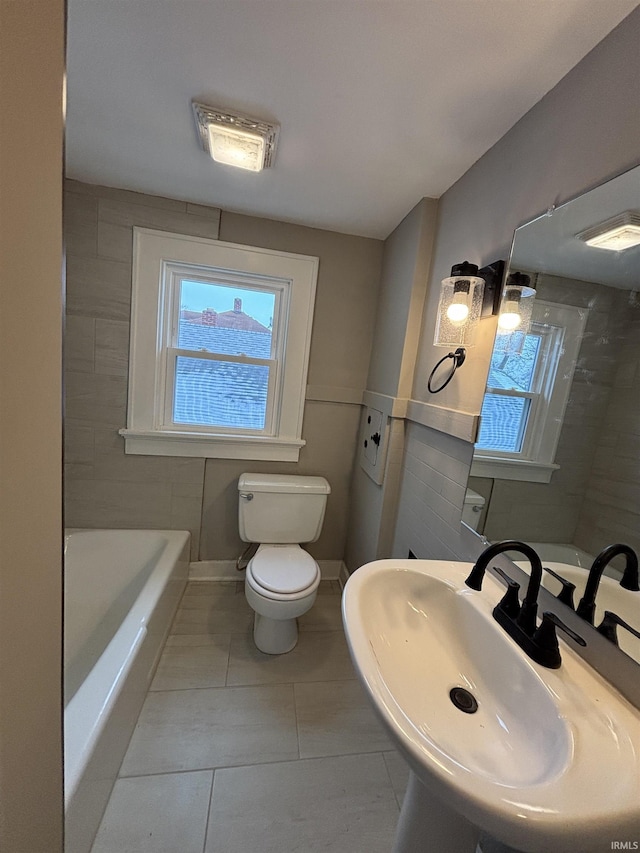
pixel 617 234
pixel 459 307
pixel 465 296
pixel 234 139
pixel 516 306
pixel 516 309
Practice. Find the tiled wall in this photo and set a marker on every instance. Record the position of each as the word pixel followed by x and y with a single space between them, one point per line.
pixel 103 487
pixel 611 509
pixel 106 488
pixel 434 480
pixel 550 512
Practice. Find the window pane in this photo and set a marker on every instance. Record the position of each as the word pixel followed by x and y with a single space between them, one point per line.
pixel 220 393
pixel 503 422
pixel 224 319
pixel 515 371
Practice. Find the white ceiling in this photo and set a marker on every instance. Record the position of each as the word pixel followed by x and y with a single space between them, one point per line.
pixel 381 102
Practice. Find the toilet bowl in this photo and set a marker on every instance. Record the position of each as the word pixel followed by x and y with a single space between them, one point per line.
pixel 279 511
pixel 281 584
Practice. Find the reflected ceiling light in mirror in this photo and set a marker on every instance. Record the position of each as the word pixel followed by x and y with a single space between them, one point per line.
pixel 617 234
pixel 234 139
pixel 460 306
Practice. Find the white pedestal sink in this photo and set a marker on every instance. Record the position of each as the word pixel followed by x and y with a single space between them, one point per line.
pixel 548 763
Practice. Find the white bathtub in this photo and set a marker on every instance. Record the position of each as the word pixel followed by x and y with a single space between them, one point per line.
pixel 122 588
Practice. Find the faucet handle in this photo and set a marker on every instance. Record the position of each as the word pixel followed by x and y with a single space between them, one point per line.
pixel 609 624
pixel 509 603
pixel 546 639
pixel 566 593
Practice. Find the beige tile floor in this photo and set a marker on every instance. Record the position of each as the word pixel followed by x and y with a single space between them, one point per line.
pixel 240 752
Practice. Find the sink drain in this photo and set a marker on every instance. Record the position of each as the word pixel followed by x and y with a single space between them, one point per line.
pixel 463 700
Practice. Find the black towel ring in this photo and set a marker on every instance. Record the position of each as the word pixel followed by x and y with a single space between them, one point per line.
pixel 458 359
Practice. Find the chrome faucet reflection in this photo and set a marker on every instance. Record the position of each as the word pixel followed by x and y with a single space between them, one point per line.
pixel 587 604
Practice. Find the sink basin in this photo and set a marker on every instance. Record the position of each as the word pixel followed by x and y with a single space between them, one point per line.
pixel 549 760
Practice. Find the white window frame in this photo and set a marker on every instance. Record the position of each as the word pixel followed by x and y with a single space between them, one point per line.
pixel 535 461
pixel 160 261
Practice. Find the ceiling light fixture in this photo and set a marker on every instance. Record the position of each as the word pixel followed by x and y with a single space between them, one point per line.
pixel 617 234
pixel 234 139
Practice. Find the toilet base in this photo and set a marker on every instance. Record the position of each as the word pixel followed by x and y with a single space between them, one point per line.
pixel 274 636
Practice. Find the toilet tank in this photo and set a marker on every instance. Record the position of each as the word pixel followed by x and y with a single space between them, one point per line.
pixel 281 508
pixel 473 505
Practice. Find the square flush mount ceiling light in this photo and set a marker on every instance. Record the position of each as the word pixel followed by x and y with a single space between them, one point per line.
pixel 234 139
pixel 617 234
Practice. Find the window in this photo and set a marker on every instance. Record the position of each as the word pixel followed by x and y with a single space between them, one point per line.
pixel 526 397
pixel 220 338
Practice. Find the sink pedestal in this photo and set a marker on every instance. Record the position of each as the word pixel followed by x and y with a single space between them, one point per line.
pixel 427 825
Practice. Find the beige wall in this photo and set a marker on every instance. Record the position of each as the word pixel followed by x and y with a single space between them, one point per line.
pixel 582 132
pixel 105 487
pixel 31 75
pixel 405 268
pixel 346 299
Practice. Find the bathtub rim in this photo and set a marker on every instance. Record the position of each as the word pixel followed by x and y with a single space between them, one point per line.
pixel 88 712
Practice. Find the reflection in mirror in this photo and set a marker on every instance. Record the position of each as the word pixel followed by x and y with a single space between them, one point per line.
pixel 558 455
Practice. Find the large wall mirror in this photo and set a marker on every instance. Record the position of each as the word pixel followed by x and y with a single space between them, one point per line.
pixel 558 457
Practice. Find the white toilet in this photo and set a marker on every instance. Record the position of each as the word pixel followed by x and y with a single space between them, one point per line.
pixel 472 510
pixel 279 511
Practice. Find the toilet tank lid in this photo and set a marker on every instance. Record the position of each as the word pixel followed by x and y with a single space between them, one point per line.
pixel 473 498
pixel 283 483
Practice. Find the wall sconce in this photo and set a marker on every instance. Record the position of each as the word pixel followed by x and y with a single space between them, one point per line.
pixel 459 307
pixel 466 296
pixel 514 317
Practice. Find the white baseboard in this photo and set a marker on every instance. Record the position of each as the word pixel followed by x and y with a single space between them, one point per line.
pixel 225 570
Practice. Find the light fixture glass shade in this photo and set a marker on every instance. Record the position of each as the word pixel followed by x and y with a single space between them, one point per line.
pixel 617 234
pixel 236 148
pixel 514 317
pixel 234 139
pixel 459 307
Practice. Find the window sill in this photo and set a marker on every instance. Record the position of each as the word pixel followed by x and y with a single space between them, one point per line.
pixel 512 469
pixel 204 445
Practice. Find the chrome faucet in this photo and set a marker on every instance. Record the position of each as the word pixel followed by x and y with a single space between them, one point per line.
pixel 587 605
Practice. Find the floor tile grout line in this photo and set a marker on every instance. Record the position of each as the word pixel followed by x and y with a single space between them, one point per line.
pixel 209 808
pixel 258 764
pixel 291 682
pixel 257 684
pixel 398 800
pixel 295 714
pixel 226 670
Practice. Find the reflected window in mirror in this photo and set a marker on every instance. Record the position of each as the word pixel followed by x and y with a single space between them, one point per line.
pixel 526 395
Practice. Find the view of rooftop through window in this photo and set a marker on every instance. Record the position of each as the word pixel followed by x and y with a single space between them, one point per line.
pixel 198 296
pixel 504 417
pixel 223 320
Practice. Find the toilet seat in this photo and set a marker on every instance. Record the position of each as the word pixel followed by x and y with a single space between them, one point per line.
pixel 283 572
